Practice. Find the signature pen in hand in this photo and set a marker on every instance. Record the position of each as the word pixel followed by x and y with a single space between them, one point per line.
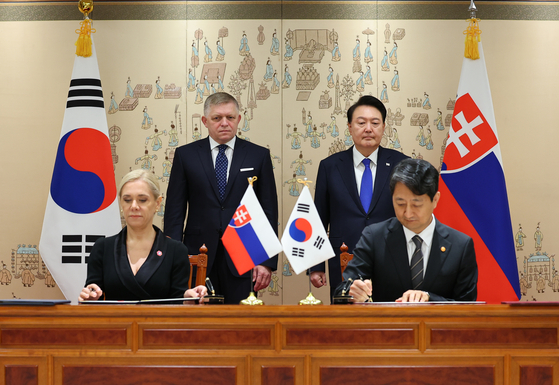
pixel 370 297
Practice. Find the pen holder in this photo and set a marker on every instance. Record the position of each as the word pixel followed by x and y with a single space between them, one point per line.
pixel 342 299
pixel 214 299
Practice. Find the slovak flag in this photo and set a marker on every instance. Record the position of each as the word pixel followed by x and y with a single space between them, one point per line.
pixel 249 237
pixel 82 203
pixel 472 185
pixel 304 239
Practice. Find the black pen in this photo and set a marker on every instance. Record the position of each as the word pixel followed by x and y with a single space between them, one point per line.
pixel 210 286
pixel 346 286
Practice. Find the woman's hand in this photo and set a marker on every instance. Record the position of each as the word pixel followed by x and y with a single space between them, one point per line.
pixel 91 292
pixel 198 292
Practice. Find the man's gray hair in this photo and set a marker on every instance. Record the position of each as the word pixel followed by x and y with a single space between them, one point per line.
pixel 217 99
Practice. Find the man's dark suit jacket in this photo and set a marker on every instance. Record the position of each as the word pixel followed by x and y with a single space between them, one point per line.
pixel 164 274
pixel 193 186
pixel 381 255
pixel 338 204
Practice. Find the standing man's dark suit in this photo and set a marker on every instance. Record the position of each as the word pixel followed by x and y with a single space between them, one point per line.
pixel 339 206
pixel 193 189
pixel 381 255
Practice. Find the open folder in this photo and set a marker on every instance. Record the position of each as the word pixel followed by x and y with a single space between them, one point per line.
pixel 531 303
pixel 33 302
pixel 161 301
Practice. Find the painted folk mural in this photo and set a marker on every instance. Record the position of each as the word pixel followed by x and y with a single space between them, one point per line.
pixel 294 81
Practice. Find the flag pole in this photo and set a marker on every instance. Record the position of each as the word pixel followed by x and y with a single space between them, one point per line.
pixel 251 299
pixel 310 299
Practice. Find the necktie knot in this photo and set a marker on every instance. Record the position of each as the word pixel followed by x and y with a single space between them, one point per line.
pixel 222 148
pixel 367 162
pixel 418 241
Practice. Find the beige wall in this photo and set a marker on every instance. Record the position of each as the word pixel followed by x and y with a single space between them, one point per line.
pixel 37 60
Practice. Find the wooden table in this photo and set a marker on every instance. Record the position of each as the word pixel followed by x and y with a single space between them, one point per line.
pixel 219 344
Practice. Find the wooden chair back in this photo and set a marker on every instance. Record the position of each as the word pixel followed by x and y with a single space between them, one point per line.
pixel 200 262
pixel 345 257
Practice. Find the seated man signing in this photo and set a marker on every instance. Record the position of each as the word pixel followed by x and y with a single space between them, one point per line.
pixel 413 257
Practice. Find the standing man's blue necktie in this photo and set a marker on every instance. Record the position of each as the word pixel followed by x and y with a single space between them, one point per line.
pixel 221 170
pixel 366 193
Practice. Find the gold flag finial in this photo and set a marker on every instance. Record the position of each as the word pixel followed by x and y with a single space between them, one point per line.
pixel 471 50
pixel 304 181
pixel 84 43
pixel 252 179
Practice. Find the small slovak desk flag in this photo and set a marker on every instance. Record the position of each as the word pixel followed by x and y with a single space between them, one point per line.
pixel 304 239
pixel 82 203
pixel 249 237
pixel 472 182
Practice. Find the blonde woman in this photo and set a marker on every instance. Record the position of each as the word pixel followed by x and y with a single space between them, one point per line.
pixel 140 262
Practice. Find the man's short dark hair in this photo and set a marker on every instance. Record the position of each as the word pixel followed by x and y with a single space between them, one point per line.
pixel 367 100
pixel 416 174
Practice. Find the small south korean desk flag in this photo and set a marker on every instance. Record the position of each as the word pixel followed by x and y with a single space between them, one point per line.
pixel 304 239
pixel 82 204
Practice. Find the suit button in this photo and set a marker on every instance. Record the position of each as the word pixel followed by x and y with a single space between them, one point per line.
pixel 367 218
pixel 223 209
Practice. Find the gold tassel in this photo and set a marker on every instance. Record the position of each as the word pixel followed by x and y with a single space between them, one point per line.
pixel 83 44
pixel 473 37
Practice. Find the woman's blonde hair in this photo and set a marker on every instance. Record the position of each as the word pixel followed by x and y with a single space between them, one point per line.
pixel 144 175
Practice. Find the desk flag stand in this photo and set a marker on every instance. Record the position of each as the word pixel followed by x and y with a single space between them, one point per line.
pixel 310 300
pixel 251 299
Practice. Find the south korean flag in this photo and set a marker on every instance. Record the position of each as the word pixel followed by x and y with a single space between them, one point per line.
pixel 304 238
